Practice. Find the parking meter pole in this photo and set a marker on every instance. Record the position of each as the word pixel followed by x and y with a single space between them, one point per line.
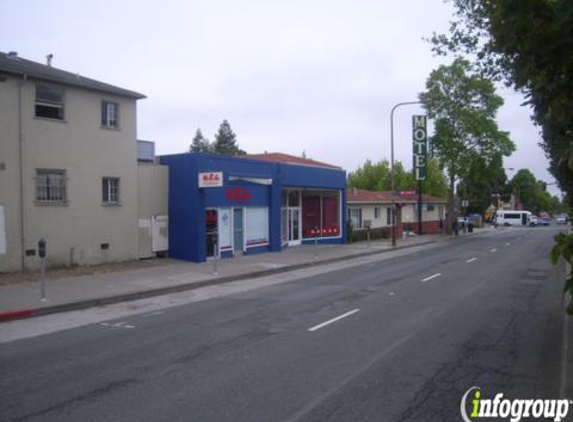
pixel 316 244
pixel 215 267
pixel 43 279
pixel 368 237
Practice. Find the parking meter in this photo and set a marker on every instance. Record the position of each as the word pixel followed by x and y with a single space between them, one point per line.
pixel 42 248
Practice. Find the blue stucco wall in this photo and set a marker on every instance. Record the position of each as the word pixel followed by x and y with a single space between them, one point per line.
pixel 187 203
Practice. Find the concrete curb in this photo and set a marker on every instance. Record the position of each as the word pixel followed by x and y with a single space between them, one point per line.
pixel 6 316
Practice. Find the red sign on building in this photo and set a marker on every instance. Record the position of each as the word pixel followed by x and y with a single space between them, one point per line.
pixel 238 194
pixel 211 180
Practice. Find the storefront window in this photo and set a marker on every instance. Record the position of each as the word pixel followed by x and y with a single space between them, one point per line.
pixel 294 198
pixel 311 214
pixel 211 231
pixel 320 214
pixel 330 220
pixel 257 226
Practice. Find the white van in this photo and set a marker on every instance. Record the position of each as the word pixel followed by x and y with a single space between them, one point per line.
pixel 513 218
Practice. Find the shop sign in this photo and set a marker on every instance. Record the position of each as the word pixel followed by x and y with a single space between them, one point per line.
pixel 238 194
pixel 419 133
pixel 212 179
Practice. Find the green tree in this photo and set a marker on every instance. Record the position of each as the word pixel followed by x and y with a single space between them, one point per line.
pixel 226 141
pixel 531 194
pixel 464 106
pixel 436 183
pixel 371 176
pixel 376 177
pixel 200 143
pixel 481 181
pixel 527 44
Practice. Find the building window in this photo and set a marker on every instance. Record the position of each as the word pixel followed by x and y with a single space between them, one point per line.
pixel 320 214
pixel 51 186
pixel 49 102
pixel 377 212
pixel 257 226
pixel 355 217
pixel 110 190
pixel 389 219
pixel 109 114
pixel 429 207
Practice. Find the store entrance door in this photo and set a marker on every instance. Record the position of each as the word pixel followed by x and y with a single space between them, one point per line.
pixel 238 232
pixel 294 226
pixel 212 233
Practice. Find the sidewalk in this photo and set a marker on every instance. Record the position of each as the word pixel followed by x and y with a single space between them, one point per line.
pixel 22 300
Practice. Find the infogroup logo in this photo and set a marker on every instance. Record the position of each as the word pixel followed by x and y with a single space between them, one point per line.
pixel 515 410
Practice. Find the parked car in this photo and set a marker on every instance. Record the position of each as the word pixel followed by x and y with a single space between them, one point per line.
pixel 561 219
pixel 533 222
pixel 543 221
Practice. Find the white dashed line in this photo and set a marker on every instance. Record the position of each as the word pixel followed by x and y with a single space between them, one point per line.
pixel 431 277
pixel 507 243
pixel 330 321
pixel 471 260
pixel 117 325
pixel 493 250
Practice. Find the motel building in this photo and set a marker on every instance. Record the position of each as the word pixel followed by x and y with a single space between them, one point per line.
pixel 221 206
pixel 374 209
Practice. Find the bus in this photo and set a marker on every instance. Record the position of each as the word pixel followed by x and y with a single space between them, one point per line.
pixel 513 218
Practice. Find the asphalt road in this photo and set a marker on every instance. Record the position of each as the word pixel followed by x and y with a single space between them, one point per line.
pixel 395 340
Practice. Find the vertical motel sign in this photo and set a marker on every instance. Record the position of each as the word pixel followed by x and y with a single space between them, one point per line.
pixel 419 134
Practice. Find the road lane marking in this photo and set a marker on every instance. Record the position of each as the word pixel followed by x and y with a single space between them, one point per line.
pixel 493 250
pixel 471 260
pixel 122 324
pixel 330 321
pixel 431 277
pixel 507 243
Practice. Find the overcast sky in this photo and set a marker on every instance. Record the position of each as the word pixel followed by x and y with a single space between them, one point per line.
pixel 319 76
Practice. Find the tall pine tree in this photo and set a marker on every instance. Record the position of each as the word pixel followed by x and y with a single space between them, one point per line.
pixel 200 143
pixel 226 141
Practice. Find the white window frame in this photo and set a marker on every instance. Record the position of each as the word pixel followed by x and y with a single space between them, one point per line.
pixel 110 114
pixel 359 210
pixel 50 103
pixel 51 186
pixel 390 217
pixel 110 193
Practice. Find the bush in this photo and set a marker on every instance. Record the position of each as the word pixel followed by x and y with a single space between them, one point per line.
pixel 349 231
pixel 378 233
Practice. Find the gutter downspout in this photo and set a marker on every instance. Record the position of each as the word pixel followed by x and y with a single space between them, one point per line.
pixel 22 172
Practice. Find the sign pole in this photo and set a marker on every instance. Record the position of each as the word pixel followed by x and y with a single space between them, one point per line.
pixel 419 208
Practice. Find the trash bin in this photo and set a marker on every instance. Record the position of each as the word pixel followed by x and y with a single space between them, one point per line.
pixel 470 228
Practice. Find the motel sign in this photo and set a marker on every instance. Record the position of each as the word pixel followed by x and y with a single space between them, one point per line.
pixel 419 135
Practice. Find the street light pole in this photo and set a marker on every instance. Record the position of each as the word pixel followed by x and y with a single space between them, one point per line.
pixel 392 181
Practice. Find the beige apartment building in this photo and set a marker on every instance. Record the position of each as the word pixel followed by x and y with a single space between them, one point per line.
pixel 68 167
pixel 375 208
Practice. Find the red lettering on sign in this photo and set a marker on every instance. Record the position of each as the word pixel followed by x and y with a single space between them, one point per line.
pixel 238 194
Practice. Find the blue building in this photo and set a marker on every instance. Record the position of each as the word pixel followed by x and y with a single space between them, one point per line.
pixel 226 206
